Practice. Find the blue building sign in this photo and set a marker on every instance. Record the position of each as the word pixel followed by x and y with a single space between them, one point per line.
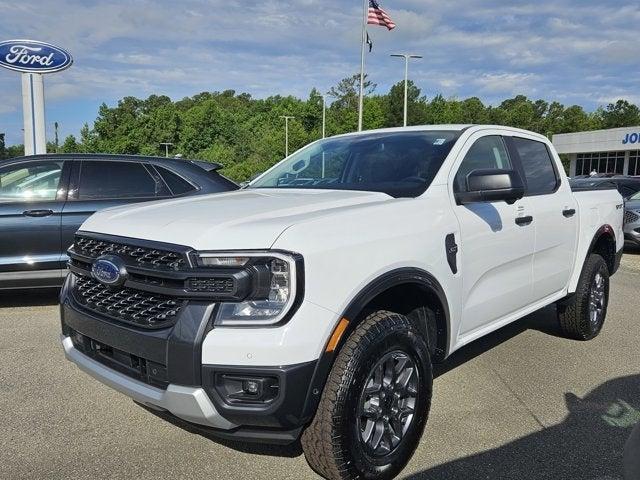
pixel 631 138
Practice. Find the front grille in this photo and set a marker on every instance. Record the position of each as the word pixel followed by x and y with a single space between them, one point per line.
pixel 630 217
pixel 135 307
pixel 135 255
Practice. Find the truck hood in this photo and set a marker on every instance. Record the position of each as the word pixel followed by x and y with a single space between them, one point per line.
pixel 244 219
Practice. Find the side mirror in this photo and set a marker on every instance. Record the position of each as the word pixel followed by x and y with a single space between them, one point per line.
pixel 491 185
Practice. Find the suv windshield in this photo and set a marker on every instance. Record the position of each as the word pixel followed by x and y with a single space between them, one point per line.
pixel 400 164
pixel 635 196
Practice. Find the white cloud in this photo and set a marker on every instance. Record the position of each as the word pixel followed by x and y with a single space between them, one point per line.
pixel 580 50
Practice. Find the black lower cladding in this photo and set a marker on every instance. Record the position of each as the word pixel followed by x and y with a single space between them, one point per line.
pixel 283 410
pixel 178 347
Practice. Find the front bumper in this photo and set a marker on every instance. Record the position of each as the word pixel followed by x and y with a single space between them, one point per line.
pixel 632 233
pixel 165 371
pixel 188 403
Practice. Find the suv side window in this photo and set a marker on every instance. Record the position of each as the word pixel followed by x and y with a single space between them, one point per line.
pixel 32 181
pixel 103 180
pixel 176 183
pixel 486 152
pixel 539 171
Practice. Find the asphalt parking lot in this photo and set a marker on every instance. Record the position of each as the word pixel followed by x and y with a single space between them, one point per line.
pixel 519 404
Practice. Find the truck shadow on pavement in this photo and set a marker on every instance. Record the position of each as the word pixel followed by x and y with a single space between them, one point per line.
pixel 29 298
pixel 587 445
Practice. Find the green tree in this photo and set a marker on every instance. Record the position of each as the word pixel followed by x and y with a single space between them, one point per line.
pixel 395 105
pixel 70 145
pixel 620 114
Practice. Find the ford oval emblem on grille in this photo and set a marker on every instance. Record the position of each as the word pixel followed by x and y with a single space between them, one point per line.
pixel 109 270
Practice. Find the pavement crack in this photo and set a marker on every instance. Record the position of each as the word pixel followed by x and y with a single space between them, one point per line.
pixel 517 397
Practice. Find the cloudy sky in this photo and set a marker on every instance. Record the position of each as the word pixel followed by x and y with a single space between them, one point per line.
pixel 573 51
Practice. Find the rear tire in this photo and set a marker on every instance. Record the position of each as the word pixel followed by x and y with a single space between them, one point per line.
pixel 375 403
pixel 582 316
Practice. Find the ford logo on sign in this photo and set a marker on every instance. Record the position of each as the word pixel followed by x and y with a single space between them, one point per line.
pixel 109 270
pixel 30 56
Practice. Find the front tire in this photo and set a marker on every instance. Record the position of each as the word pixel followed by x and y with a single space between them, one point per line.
pixel 582 316
pixel 375 403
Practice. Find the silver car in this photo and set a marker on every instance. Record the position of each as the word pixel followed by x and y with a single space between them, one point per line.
pixel 632 219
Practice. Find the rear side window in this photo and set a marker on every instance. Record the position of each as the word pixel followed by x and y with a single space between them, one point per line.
pixel 538 166
pixel 176 183
pixel 102 180
pixel 486 153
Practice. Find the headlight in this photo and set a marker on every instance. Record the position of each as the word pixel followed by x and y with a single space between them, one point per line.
pixel 274 286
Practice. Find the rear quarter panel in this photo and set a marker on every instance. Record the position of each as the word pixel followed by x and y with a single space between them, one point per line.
pixel 597 209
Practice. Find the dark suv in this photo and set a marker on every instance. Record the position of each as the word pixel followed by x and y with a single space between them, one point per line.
pixel 45 198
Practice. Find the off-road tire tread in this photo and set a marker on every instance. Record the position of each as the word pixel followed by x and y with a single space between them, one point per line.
pixel 572 313
pixel 320 441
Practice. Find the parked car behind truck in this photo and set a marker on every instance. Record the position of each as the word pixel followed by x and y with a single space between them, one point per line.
pixel 45 198
pixel 632 220
pixel 313 303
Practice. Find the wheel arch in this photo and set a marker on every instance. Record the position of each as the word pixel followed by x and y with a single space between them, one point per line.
pixel 402 291
pixel 409 288
pixel 604 244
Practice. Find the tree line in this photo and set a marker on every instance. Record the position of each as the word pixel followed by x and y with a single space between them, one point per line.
pixel 246 135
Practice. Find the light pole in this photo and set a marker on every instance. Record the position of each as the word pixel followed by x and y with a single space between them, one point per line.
pixel 324 116
pixel 166 148
pixel 406 57
pixel 324 113
pixel 286 133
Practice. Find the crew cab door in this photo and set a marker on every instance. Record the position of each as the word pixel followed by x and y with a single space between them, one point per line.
pixel 555 217
pixel 32 194
pixel 496 241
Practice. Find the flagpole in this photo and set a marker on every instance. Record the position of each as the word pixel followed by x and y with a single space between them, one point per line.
pixel 365 15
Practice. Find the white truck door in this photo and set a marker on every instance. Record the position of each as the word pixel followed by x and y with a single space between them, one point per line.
pixel 496 251
pixel 555 217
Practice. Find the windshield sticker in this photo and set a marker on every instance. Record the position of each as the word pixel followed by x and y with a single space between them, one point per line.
pixel 439 141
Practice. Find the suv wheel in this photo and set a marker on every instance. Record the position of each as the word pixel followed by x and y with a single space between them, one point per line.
pixel 582 316
pixel 375 403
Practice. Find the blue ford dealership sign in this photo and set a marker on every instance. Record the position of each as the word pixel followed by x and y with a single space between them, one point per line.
pixel 30 56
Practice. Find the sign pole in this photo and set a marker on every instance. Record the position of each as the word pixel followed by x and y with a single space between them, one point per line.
pixel 33 59
pixel 365 16
pixel 35 142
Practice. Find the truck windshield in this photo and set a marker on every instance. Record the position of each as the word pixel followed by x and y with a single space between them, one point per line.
pixel 401 164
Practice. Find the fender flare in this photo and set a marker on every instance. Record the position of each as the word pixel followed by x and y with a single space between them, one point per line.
pixel 605 229
pixel 384 282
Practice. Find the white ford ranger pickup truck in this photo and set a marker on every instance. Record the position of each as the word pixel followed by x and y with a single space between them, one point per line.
pixel 312 304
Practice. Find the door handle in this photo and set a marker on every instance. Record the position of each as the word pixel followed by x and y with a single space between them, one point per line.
pixel 522 221
pixel 38 213
pixel 569 212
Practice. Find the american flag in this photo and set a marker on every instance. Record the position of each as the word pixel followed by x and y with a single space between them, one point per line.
pixel 378 16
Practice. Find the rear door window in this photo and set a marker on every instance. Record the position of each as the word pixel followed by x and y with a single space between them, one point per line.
pixel 177 184
pixel 539 171
pixel 113 180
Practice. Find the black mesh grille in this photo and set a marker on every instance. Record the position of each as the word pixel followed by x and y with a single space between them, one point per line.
pixel 143 309
pixel 213 285
pixel 630 217
pixel 142 256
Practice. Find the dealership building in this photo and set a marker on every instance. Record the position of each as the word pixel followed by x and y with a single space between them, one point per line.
pixel 616 150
